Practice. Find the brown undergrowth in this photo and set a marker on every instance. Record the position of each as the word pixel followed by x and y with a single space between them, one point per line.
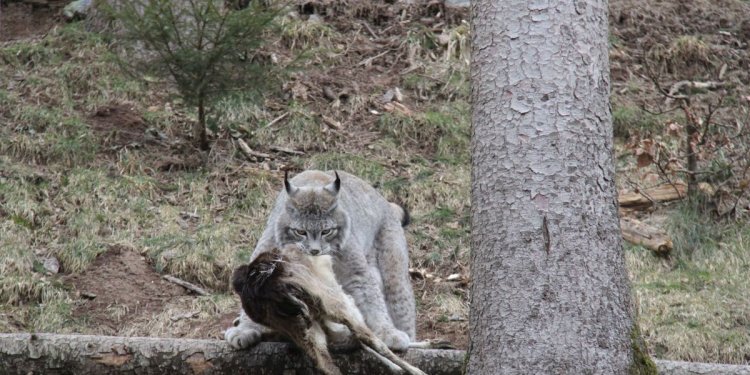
pixel 98 171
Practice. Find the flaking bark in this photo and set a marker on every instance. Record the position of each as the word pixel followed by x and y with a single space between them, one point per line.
pixel 550 293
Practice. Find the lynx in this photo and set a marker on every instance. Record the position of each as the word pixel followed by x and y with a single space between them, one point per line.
pixel 340 215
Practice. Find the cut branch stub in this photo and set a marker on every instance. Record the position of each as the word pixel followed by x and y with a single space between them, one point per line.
pixel 652 238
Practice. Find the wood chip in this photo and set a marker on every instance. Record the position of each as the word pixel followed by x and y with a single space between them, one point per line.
pixel 398 95
pixel 88 295
pixel 329 94
pixel 331 123
pixel 51 265
pixel 397 107
pixel 454 277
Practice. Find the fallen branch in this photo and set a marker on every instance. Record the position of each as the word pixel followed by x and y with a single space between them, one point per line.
pixel 249 153
pixel 647 197
pixel 186 285
pixel 682 85
pixel 50 353
pixel 640 233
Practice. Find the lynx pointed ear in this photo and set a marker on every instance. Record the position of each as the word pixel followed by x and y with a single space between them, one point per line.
pixel 334 186
pixel 290 189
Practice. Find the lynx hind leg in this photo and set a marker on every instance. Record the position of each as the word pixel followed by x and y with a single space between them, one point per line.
pixel 245 333
pixel 394 267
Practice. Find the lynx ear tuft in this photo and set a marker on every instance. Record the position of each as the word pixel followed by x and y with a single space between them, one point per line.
pixel 290 189
pixel 334 186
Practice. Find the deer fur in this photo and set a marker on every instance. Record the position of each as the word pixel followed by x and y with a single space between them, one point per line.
pixel 297 295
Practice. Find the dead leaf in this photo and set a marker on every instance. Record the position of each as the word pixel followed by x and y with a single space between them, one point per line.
pixel 645 159
pixel 674 128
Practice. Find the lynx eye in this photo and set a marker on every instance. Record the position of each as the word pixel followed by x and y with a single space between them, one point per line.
pixel 327 232
pixel 299 232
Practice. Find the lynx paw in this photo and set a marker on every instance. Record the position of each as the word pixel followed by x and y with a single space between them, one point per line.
pixel 242 337
pixel 395 339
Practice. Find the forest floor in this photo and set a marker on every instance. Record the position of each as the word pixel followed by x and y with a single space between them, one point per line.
pixel 102 192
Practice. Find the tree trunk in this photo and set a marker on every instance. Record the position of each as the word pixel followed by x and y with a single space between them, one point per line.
pixel 101 355
pixel 692 158
pixel 550 294
pixel 199 129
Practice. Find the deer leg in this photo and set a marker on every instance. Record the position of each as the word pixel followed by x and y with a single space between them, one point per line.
pixel 313 343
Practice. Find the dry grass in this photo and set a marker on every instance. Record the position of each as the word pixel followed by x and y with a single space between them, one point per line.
pixel 697 307
pixel 63 195
pixel 180 316
pixel 306 34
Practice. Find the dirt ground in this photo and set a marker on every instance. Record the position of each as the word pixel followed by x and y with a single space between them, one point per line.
pixel 168 208
pixel 23 21
pixel 121 289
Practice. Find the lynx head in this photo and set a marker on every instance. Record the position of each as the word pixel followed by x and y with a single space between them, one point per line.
pixel 315 222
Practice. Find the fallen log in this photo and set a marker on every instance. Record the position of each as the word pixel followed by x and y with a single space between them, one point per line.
pixel 45 353
pixel 639 233
pixel 648 197
pixel 77 354
pixel 696 368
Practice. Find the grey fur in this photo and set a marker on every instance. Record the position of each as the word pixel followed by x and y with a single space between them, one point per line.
pixel 366 241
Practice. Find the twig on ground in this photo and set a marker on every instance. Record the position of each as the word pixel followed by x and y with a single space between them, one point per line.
pixel 274 121
pixel 368 61
pixel 665 175
pixel 187 315
pixel 641 191
pixel 660 112
pixel 250 153
pixel 286 150
pixel 370 30
pixel 187 285
pixel 672 94
pixel 707 120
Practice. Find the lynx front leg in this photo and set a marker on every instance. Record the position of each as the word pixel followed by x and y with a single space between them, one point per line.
pixel 245 333
pixel 393 264
pixel 362 283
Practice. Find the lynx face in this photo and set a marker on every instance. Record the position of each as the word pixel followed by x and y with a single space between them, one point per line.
pixel 315 224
